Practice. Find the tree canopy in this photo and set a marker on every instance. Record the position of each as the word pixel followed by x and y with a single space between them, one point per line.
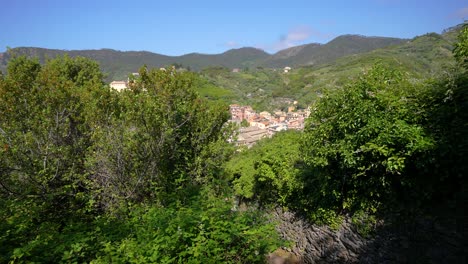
pixel 382 143
pixel 81 165
pixel 90 174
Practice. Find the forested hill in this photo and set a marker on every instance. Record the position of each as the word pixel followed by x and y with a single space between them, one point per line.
pixel 422 57
pixel 117 64
pixel 315 54
pixel 316 67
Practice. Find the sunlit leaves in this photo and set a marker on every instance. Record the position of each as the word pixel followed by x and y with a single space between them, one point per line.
pixel 364 135
pixel 461 47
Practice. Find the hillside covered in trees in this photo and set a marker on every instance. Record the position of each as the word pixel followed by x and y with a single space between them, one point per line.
pixel 262 87
pixel 147 175
pixel 118 64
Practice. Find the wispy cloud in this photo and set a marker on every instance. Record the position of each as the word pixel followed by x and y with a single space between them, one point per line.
pixel 296 36
pixel 292 38
pixel 461 13
pixel 231 44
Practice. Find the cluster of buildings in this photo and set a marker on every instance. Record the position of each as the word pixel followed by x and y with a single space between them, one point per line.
pixel 265 124
pixel 254 126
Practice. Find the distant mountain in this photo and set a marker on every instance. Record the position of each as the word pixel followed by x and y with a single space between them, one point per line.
pixel 316 67
pixel 118 64
pixel 315 54
pixel 419 58
pixel 234 58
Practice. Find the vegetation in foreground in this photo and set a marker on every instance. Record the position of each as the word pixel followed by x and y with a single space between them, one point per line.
pixel 381 145
pixel 145 175
pixel 93 175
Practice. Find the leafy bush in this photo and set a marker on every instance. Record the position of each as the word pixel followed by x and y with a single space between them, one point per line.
pixel 270 171
pixel 361 140
pixel 92 174
pixel 206 231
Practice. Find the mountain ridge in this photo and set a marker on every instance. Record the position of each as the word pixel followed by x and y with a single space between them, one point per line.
pixel 118 64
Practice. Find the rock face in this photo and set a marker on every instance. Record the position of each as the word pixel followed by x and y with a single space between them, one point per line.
pixel 319 244
pixel 418 242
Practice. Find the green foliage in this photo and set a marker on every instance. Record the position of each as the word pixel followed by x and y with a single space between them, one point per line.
pixel 245 123
pixel 256 87
pixel 164 141
pixel 29 239
pixel 213 92
pixel 381 143
pixel 90 172
pixel 361 139
pixel 364 223
pixel 445 104
pixel 46 117
pixel 270 170
pixel 45 130
pixel 23 71
pixel 461 47
pixel 206 231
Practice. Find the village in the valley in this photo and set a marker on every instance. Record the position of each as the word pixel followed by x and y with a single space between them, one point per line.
pixel 255 126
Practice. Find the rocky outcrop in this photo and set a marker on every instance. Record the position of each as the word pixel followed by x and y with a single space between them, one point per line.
pixel 319 244
pixel 421 241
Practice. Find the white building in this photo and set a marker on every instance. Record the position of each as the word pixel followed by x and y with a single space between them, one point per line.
pixel 118 85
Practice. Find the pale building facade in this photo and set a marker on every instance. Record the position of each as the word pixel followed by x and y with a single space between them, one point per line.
pixel 118 85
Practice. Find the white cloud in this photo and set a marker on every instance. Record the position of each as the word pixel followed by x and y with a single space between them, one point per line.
pixel 296 36
pixel 461 13
pixel 299 33
pixel 231 44
pixel 292 38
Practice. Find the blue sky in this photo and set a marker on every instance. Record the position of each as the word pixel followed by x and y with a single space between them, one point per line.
pixel 175 27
